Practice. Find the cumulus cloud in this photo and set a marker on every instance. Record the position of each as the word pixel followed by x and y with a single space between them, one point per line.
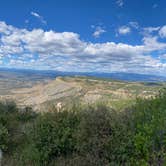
pixel 150 30
pixel 98 31
pixel 39 17
pixel 67 52
pixel 6 29
pixel 162 32
pixel 124 30
pixel 162 56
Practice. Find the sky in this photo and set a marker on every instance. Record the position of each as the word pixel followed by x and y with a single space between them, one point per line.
pixel 84 35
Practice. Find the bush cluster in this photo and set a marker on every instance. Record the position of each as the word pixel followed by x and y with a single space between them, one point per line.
pixel 86 136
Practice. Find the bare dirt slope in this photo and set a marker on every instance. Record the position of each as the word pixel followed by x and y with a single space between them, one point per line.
pixel 84 89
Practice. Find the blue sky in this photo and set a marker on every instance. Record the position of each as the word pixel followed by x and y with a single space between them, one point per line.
pixel 84 35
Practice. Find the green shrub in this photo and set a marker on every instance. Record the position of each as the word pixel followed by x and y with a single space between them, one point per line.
pixel 93 134
pixel 26 115
pixel 52 135
pixel 149 119
pixel 12 133
pixel 87 136
pixel 4 137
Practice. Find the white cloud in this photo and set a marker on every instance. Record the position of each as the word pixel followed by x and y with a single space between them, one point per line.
pixel 98 31
pixel 162 57
pixel 35 14
pixel 124 30
pixel 120 3
pixel 5 29
pixel 66 51
pixel 152 44
pixel 134 24
pixel 162 32
pixel 39 17
pixel 149 30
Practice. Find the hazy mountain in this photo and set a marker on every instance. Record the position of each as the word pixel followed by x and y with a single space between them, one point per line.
pixel 48 74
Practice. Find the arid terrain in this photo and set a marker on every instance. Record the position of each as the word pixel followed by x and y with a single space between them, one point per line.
pixel 40 92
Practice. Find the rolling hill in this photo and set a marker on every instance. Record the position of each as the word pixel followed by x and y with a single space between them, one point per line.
pixel 42 89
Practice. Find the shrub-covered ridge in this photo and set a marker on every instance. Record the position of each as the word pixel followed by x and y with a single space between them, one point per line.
pixel 85 136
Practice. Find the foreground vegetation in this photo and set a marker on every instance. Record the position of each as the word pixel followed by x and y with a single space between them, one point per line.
pixel 85 136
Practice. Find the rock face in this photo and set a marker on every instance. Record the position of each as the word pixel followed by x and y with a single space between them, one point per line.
pixel 86 90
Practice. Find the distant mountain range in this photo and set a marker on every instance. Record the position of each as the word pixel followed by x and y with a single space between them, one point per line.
pixel 116 76
pixel 130 77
